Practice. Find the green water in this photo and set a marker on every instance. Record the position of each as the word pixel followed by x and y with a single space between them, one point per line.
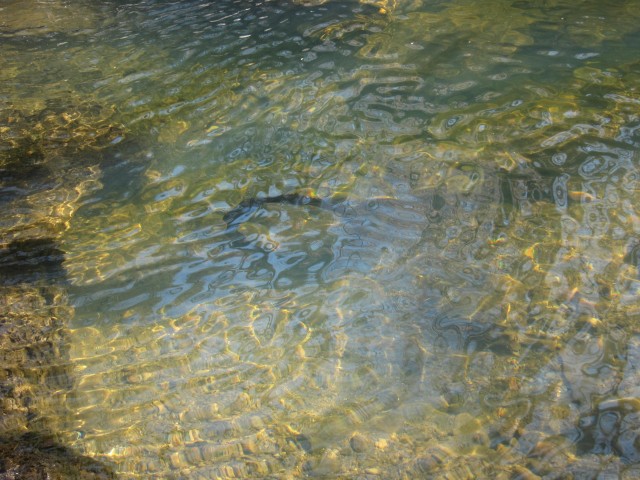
pixel 466 309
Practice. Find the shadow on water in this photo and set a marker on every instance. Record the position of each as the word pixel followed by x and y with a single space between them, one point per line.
pixel 33 456
pixel 34 364
pixel 51 151
pixel 31 261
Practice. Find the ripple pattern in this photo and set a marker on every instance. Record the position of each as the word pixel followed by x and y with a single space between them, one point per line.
pixel 465 306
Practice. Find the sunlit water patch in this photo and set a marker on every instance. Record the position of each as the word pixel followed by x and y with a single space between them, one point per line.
pixel 462 306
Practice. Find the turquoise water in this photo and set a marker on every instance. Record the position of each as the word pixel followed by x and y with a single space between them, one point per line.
pixel 466 305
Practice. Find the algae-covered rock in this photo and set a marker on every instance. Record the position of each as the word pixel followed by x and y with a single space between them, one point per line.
pixel 30 348
pixel 55 126
pixel 34 457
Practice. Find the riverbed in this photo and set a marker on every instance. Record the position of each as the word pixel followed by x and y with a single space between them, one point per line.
pixel 464 304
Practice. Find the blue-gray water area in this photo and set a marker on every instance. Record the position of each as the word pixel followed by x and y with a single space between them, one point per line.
pixel 336 239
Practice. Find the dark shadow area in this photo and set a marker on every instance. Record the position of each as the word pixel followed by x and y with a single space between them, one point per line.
pixel 32 456
pixel 33 364
pixel 30 261
pixel 46 155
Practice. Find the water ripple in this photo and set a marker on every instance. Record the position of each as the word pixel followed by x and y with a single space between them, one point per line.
pixel 471 282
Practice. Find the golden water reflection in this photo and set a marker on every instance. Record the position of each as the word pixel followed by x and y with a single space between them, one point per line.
pixel 402 336
pixel 464 308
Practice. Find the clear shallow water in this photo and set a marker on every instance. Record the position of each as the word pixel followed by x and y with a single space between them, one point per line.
pixel 467 308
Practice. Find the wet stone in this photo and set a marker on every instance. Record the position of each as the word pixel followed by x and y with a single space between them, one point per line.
pixel 34 457
pixel 329 464
pixel 256 422
pixel 360 443
pixel 193 455
pixel 177 460
pixel 630 384
pixel 250 447
pixel 303 442
pixel 381 444
pixel 523 473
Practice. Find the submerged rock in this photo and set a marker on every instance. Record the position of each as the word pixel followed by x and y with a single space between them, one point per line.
pixel 27 261
pixel 35 372
pixel 34 457
pixel 50 155
pixel 245 209
pixel 360 443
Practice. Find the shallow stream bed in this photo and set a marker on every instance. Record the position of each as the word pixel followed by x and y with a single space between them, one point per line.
pixel 463 305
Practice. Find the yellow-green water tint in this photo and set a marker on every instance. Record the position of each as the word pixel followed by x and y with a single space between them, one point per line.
pixel 468 310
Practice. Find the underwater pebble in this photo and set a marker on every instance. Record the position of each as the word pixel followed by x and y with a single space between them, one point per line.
pixel 433 458
pixel 359 443
pixel 381 444
pixel 303 442
pixel 242 402
pixel 523 473
pixel 193 455
pixel 249 447
pixel 329 463
pixel 176 460
pixel 256 422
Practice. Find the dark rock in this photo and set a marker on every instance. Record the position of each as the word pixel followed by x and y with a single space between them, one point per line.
pixel 34 457
pixel 30 260
pixel 302 441
pixel 359 443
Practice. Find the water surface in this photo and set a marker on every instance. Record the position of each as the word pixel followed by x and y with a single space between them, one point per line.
pixel 467 307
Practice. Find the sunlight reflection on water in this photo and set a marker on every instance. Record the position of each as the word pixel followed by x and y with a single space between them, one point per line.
pixel 466 306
